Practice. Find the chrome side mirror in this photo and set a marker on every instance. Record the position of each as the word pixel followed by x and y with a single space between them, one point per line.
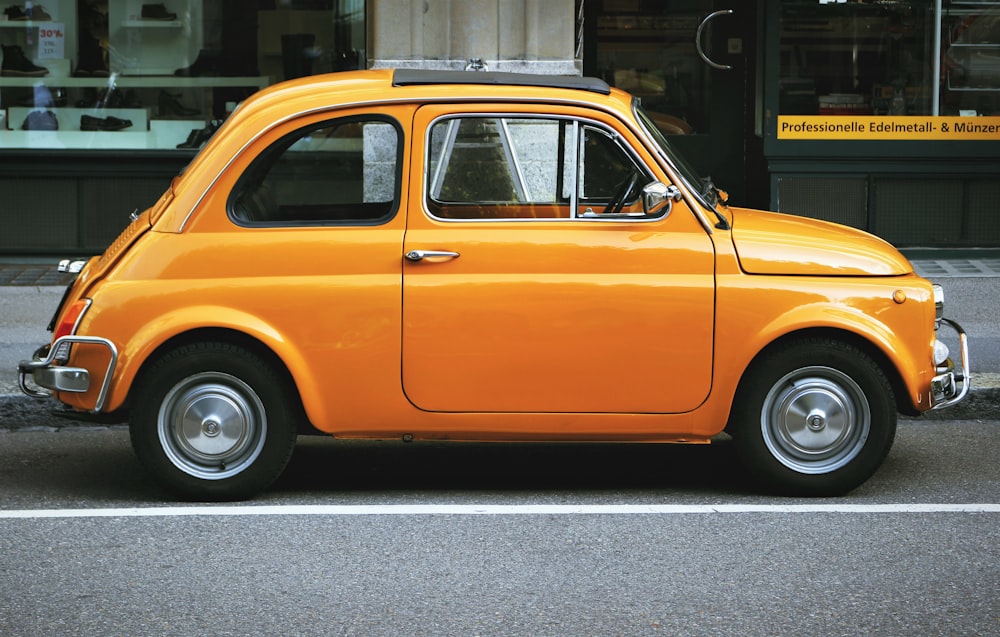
pixel 656 196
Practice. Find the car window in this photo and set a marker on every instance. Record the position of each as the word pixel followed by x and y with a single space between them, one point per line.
pixel 489 167
pixel 344 171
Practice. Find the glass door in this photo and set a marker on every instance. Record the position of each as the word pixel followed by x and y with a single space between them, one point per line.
pixel 687 61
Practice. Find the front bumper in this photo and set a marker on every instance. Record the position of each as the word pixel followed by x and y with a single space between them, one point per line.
pixel 47 374
pixel 951 384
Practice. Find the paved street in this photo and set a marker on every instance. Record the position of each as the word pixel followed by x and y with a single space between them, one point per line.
pixel 424 539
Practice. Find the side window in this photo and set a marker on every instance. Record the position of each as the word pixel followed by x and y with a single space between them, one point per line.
pixel 340 172
pixel 603 166
pixel 482 167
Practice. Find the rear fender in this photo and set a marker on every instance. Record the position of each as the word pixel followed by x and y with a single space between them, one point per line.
pixel 154 337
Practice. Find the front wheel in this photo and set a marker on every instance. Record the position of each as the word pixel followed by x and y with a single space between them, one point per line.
pixel 814 418
pixel 212 421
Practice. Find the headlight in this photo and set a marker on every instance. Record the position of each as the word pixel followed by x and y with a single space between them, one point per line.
pixel 941 353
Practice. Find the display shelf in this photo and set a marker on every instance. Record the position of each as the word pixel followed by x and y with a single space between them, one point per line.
pixel 152 24
pixel 21 24
pixel 69 117
pixel 75 139
pixel 162 135
pixel 139 81
pixel 971 66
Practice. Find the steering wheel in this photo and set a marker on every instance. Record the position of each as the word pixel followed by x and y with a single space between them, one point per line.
pixel 622 193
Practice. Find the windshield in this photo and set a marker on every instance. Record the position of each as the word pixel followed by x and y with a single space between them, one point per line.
pixel 703 186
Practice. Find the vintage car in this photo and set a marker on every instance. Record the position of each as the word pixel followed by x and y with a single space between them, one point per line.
pixel 476 256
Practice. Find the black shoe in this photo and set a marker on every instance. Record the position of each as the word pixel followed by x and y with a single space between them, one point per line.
pixel 93 61
pixel 157 12
pixel 169 104
pixel 199 136
pixel 207 64
pixel 40 120
pixel 44 97
pixel 15 13
pixel 89 123
pixel 36 14
pixel 15 64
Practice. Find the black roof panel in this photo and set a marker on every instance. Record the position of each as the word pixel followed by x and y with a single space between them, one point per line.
pixel 412 77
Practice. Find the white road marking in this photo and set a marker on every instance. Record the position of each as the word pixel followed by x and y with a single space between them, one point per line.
pixel 494 509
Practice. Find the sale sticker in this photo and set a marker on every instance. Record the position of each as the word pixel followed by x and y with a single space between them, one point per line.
pixel 51 41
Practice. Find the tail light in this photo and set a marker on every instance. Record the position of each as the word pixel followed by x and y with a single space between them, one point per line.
pixel 67 326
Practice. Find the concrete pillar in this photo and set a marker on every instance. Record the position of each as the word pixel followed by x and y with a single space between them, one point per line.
pixel 527 36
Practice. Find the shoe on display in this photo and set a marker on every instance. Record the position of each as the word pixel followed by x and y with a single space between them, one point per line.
pixel 16 64
pixel 156 12
pixel 169 104
pixel 15 13
pixel 44 97
pixel 90 123
pixel 199 136
pixel 92 60
pixel 207 63
pixel 36 13
pixel 40 120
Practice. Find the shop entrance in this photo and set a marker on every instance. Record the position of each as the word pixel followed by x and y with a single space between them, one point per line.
pixel 691 62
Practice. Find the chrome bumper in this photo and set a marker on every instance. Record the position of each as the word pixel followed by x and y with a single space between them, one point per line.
pixel 952 384
pixel 47 375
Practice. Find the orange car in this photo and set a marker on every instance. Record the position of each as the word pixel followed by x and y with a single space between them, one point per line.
pixel 427 255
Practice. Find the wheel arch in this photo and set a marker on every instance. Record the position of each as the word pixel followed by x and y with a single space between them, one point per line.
pixel 870 348
pixel 239 339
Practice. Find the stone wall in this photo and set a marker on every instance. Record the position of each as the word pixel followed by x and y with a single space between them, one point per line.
pixel 526 36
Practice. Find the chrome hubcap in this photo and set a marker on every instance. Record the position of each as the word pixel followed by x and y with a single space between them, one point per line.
pixel 212 425
pixel 815 420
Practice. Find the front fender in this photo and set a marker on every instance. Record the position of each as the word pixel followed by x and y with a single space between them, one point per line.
pixel 867 309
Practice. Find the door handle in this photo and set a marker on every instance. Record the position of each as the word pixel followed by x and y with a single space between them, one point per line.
pixel 431 256
pixel 697 40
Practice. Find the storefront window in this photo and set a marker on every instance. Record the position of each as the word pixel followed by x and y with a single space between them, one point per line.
pixel 648 49
pixel 128 74
pixel 970 61
pixel 883 57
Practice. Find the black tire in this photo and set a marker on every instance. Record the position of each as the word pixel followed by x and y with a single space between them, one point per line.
pixel 212 421
pixel 814 418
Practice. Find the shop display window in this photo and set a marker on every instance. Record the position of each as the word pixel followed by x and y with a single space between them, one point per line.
pixel 647 47
pixel 130 74
pixel 886 57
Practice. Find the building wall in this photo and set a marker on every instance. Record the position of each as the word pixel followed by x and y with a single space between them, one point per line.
pixel 531 36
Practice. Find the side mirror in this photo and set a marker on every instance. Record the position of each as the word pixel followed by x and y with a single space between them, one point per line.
pixel 656 196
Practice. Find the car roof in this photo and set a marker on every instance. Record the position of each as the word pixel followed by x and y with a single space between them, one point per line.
pixel 327 92
pixel 415 77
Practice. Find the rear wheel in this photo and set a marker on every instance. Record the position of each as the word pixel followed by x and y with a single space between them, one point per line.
pixel 212 421
pixel 814 418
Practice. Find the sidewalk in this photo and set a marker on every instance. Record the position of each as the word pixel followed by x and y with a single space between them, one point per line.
pixel 32 274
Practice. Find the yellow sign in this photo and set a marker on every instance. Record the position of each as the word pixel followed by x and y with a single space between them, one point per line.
pixel 874 127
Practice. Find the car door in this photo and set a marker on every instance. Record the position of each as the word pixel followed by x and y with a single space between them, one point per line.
pixel 527 288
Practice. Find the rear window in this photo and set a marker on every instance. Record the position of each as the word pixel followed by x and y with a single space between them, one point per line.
pixel 339 172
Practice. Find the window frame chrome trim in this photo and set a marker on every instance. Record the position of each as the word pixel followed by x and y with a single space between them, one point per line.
pixel 579 124
pixel 636 128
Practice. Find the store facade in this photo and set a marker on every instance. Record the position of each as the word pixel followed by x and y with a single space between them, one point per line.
pixel 886 116
pixel 879 114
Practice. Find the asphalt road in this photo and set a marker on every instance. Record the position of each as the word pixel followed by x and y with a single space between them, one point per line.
pixel 433 539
